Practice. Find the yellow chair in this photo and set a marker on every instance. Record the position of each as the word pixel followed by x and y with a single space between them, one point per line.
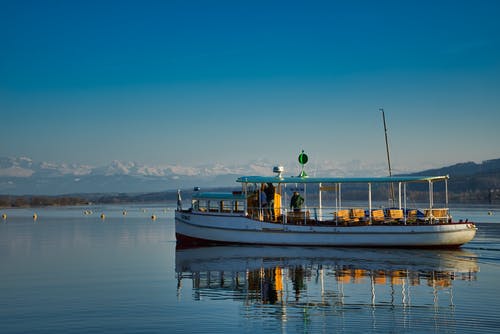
pixel 378 216
pixel 358 215
pixel 396 215
pixel 342 216
pixel 412 216
pixel 436 214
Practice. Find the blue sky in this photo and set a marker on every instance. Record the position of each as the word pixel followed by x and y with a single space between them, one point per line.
pixel 196 82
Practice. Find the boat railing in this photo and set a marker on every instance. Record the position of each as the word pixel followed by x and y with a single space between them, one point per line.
pixel 350 216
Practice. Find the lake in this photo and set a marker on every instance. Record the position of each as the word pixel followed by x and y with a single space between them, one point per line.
pixel 70 271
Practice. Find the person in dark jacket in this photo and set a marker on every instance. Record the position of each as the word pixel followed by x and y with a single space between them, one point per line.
pixel 270 199
pixel 296 201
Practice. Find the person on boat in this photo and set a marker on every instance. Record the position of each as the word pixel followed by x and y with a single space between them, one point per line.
pixel 296 201
pixel 269 190
pixel 263 200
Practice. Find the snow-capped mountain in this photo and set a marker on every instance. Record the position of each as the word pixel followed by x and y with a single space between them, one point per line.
pixel 22 175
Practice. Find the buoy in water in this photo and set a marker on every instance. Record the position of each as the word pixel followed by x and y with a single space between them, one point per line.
pixel 490 213
pixel 4 216
pixel 103 216
pixel 124 212
pixel 153 217
pixel 35 216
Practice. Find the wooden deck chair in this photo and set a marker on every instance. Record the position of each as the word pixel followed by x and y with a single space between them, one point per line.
pixel 440 214
pixel 411 216
pixel 378 216
pixel 342 216
pixel 396 215
pixel 436 215
pixel 358 215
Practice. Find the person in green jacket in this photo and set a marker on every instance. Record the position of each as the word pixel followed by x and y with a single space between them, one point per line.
pixel 296 201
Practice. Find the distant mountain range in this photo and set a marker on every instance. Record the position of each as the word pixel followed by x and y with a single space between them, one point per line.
pixel 23 176
pixel 20 176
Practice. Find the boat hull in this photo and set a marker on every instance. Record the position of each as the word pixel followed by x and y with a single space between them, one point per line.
pixel 199 228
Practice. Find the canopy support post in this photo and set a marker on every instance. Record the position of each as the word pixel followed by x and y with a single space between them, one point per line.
pixel 431 200
pixel 370 202
pixel 340 196
pixel 446 191
pixel 320 213
pixel 405 215
pixel 399 195
pixel 245 191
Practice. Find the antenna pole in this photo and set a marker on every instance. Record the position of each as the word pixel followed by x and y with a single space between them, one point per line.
pixel 388 157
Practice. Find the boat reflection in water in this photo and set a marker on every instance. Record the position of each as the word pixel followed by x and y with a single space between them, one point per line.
pixel 332 279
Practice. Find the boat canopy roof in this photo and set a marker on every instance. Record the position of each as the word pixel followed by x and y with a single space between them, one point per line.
pixel 298 179
pixel 217 195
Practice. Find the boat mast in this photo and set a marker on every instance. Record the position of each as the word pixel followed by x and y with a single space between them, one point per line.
pixel 391 194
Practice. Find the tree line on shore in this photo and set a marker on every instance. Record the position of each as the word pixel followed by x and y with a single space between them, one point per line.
pixel 38 201
pixel 6 201
pixel 12 201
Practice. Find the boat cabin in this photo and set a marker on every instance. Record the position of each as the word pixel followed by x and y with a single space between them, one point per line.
pixel 219 203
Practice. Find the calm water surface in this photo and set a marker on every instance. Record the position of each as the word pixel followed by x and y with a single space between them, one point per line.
pixel 70 272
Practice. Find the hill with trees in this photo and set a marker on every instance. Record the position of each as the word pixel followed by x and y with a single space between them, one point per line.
pixel 471 182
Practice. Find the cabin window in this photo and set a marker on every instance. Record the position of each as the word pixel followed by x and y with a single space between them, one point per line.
pixel 238 206
pixel 202 205
pixel 213 206
pixel 226 206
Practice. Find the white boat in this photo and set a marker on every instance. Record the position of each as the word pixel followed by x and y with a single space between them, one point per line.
pixel 325 218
